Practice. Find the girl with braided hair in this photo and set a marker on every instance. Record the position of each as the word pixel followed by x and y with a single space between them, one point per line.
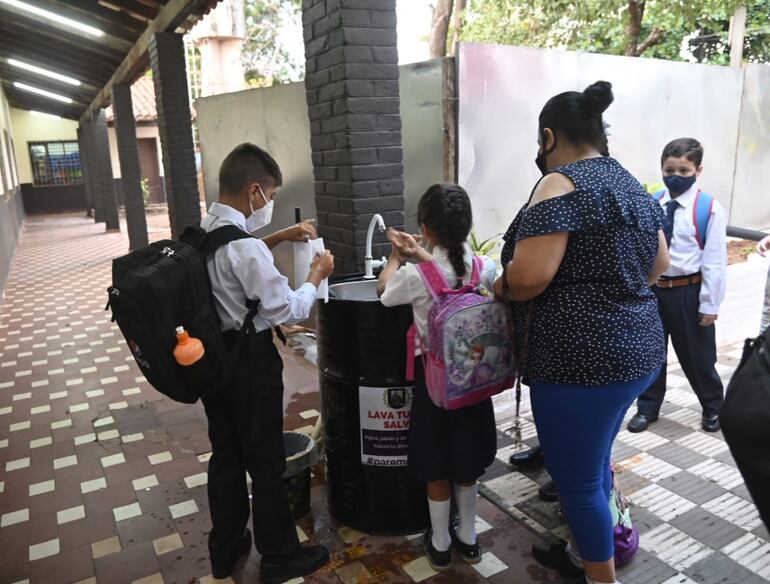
pixel 445 446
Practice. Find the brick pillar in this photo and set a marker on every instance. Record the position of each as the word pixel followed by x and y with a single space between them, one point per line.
pixel 352 93
pixel 167 57
pixel 85 171
pixel 106 182
pixel 128 152
pixel 92 171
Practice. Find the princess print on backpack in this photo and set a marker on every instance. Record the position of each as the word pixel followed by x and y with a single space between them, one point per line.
pixel 469 357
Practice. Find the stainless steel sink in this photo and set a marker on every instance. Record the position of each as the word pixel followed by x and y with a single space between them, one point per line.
pixel 362 291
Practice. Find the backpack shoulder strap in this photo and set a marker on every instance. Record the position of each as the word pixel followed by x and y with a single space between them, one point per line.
pixel 659 195
pixel 433 277
pixel 701 216
pixel 221 236
pixel 477 267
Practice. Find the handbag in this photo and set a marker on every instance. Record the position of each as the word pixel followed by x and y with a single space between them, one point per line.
pixel 624 533
pixel 745 420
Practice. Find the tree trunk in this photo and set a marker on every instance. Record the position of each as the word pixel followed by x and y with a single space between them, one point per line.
pixel 439 29
pixel 634 26
pixel 459 20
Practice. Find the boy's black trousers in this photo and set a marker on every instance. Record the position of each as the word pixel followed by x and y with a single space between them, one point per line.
pixel 246 433
pixel 695 347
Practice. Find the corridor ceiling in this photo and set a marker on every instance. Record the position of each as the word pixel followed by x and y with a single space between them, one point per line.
pixel 96 43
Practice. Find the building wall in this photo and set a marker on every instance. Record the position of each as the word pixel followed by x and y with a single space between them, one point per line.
pixel 141 132
pixel 11 208
pixel 32 128
pixel 44 199
pixel 276 118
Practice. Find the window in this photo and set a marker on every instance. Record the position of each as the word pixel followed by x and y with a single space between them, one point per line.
pixel 55 163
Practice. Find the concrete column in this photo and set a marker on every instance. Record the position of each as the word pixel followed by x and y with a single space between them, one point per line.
pixel 167 57
pixel 85 171
pixel 106 180
pixel 128 152
pixel 92 169
pixel 355 123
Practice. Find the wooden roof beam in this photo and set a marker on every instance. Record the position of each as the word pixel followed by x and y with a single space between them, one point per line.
pixel 173 14
pixel 105 17
pixel 133 7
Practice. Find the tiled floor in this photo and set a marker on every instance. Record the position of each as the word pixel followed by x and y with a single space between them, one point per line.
pixel 690 504
pixel 102 480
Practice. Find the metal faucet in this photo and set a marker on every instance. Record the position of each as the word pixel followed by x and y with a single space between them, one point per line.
pixel 371 264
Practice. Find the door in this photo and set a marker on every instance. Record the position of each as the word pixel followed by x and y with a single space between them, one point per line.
pixel 150 169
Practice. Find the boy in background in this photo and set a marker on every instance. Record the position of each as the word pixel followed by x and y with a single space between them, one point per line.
pixel 690 291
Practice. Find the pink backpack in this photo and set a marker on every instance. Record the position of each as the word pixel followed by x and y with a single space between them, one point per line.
pixel 469 358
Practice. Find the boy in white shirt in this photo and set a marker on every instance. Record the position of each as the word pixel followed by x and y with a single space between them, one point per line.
pixel 246 421
pixel 691 290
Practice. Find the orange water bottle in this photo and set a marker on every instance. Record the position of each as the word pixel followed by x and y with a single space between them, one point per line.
pixel 189 350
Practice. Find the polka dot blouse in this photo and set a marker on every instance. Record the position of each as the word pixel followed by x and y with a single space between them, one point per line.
pixel 597 322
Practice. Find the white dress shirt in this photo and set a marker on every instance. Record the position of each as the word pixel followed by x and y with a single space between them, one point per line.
pixel 407 287
pixel 245 269
pixel 688 258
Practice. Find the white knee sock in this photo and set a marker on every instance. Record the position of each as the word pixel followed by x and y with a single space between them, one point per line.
pixel 439 521
pixel 466 498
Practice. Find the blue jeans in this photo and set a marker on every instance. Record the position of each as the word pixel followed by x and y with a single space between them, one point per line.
pixel 577 426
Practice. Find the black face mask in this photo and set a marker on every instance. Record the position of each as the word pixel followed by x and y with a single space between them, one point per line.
pixel 540 158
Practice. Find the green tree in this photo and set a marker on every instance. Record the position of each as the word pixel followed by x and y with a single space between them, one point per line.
pixel 267 49
pixel 674 29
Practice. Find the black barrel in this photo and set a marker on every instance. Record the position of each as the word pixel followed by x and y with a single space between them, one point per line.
pixel 362 360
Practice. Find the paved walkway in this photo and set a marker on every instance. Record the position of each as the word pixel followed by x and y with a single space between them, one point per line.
pixel 102 479
pixel 693 511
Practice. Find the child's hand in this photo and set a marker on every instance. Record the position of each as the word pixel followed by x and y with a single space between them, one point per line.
pixel 707 319
pixel 302 231
pixel 403 244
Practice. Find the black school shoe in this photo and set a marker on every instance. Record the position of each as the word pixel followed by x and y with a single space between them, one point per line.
pixel 439 561
pixel 640 422
pixel 470 554
pixel 530 459
pixel 548 492
pixel 710 423
pixel 222 572
pixel 555 557
pixel 306 561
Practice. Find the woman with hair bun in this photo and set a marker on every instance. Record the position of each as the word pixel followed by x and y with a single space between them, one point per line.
pixel 578 262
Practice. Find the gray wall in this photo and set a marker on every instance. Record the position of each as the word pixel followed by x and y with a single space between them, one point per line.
pixel 422 132
pixel 276 118
pixel 11 219
pixel 501 90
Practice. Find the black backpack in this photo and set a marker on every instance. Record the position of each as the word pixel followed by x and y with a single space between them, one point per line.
pixel 165 285
pixel 745 420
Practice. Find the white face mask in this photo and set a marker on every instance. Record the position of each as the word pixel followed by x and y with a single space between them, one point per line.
pixel 261 217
